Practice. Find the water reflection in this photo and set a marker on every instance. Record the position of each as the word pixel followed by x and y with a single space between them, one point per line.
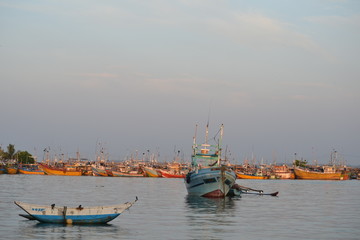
pixel 210 205
pixel 59 231
pixel 207 216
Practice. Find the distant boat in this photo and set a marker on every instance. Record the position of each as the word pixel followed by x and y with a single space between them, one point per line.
pixel 169 174
pixel 99 170
pixel 11 168
pixel 64 171
pixel 2 168
pixel 250 176
pixel 152 172
pixel 208 177
pixel 283 172
pixel 327 173
pixel 127 174
pixel 32 169
pixel 73 215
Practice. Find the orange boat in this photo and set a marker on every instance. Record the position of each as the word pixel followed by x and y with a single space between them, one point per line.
pixel 11 169
pixel 168 174
pixel 33 169
pixel 328 173
pixel 64 171
pixel 250 176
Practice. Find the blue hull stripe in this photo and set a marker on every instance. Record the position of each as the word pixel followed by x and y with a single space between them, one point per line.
pixel 76 219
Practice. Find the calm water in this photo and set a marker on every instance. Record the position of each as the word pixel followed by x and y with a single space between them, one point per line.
pixel 303 209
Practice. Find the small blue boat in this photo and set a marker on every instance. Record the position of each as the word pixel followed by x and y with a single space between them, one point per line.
pixel 73 215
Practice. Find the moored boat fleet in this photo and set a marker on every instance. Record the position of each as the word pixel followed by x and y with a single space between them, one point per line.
pixel 140 168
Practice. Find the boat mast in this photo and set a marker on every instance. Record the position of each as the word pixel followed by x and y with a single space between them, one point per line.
pixel 220 143
pixel 207 133
pixel 194 138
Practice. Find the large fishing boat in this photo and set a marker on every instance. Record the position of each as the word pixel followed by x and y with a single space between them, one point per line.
pixel 64 170
pixel 208 176
pixel 326 173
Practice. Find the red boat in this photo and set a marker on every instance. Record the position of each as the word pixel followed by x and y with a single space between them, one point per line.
pixel 168 174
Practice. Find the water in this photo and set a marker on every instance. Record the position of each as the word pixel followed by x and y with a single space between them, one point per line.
pixel 303 209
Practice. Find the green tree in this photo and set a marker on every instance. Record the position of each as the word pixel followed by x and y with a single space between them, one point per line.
pixel 300 163
pixel 24 157
pixel 10 154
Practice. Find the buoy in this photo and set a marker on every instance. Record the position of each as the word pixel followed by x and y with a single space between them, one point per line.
pixel 69 221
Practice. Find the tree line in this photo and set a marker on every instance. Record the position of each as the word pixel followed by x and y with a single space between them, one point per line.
pixel 10 154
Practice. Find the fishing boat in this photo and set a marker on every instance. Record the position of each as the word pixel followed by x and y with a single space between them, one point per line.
pixel 64 171
pixel 283 172
pixel 2 168
pixel 73 215
pixel 99 170
pixel 11 169
pixel 32 169
pixel 326 173
pixel 250 176
pixel 208 176
pixel 152 172
pixel 170 174
pixel 127 174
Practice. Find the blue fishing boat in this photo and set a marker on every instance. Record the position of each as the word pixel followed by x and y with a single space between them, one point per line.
pixel 209 176
pixel 73 215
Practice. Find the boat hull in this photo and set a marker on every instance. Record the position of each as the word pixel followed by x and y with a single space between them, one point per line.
pixel 166 174
pixel 99 172
pixel 312 175
pixel 12 170
pixel 53 171
pixel 248 176
pixel 210 182
pixel 151 172
pixel 79 215
pixel 124 174
pixel 32 172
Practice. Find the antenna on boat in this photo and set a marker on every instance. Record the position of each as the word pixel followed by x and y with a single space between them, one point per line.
pixel 194 138
pixel 207 126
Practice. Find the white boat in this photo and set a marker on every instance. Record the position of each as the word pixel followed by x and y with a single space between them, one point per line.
pixel 73 215
pixel 208 176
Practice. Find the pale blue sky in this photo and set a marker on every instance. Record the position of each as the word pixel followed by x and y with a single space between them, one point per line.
pixel 283 76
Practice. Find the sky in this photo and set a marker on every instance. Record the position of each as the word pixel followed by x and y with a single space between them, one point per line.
pixel 283 77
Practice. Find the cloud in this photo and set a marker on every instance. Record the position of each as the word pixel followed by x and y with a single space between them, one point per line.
pixel 98 75
pixel 259 31
pixel 338 21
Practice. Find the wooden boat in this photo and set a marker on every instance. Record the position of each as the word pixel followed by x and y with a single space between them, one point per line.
pixel 127 174
pixel 152 172
pixel 169 174
pixel 32 169
pixel 11 169
pixel 2 168
pixel 99 171
pixel 208 176
pixel 283 172
pixel 73 215
pixel 250 176
pixel 328 173
pixel 64 171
